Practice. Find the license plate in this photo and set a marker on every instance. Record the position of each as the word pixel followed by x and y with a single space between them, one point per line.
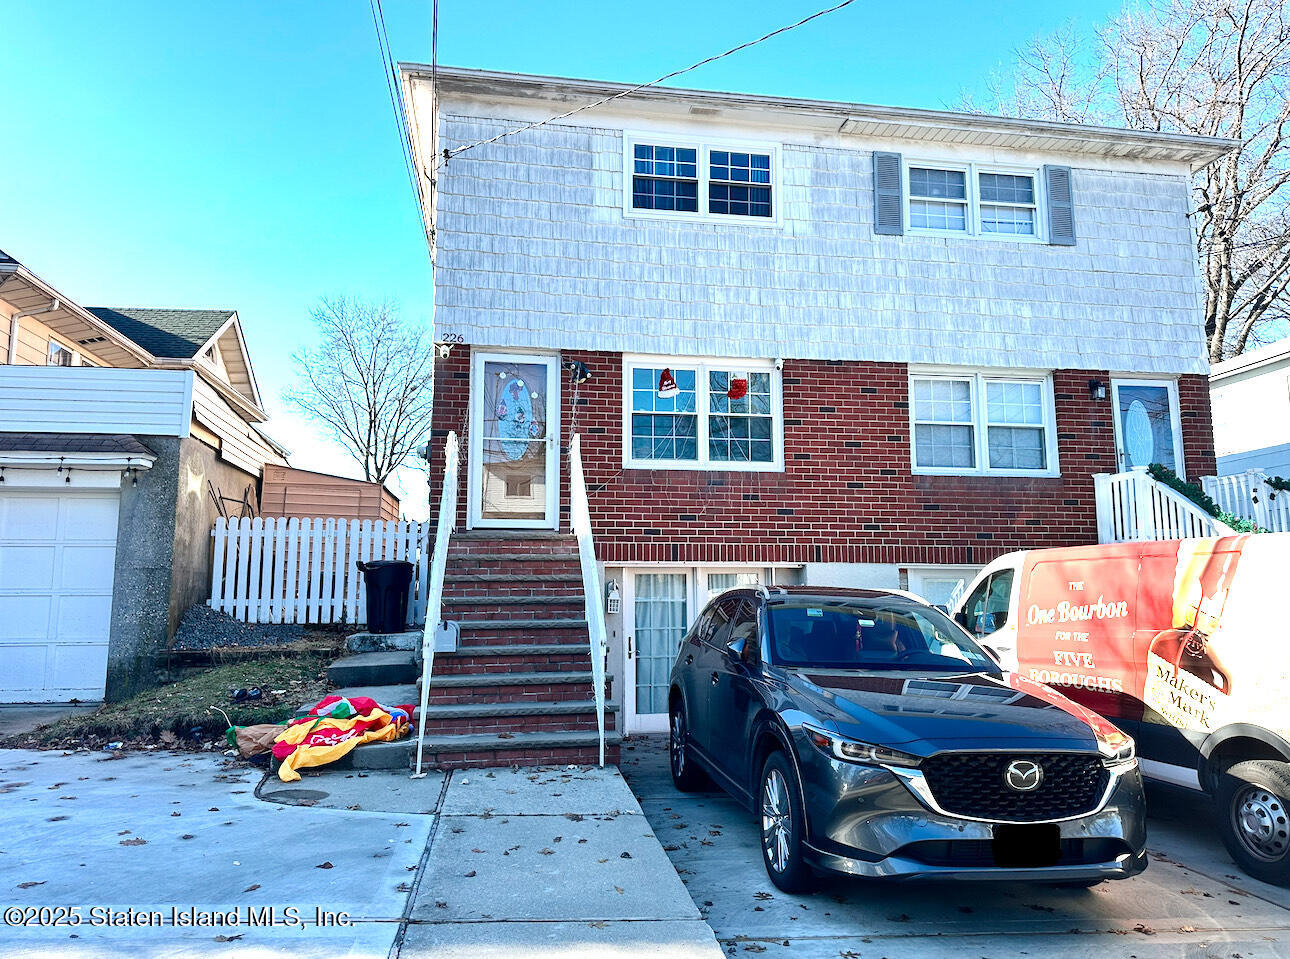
pixel 1027 845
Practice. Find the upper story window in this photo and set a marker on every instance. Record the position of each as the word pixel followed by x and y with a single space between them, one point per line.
pixel 60 355
pixel 953 198
pixel 718 414
pixel 978 423
pixel 694 179
pixel 972 200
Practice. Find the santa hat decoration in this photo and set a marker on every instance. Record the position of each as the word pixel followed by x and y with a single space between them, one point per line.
pixel 667 384
pixel 738 387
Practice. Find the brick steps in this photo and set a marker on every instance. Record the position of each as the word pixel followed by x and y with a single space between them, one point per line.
pixel 463 718
pixel 517 658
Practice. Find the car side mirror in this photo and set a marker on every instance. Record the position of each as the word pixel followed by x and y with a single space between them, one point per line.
pixel 735 649
pixel 961 618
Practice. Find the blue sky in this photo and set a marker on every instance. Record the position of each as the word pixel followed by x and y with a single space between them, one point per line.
pixel 243 154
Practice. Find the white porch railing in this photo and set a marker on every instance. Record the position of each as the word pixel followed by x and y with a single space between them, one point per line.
pixel 1134 506
pixel 1248 495
pixel 580 521
pixel 434 590
pixel 293 570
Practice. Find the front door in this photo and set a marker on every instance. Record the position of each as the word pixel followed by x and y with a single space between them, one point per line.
pixel 1146 424
pixel 514 461
pixel 658 608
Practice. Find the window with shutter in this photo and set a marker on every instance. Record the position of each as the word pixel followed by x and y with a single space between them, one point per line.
pixel 888 203
pixel 1061 208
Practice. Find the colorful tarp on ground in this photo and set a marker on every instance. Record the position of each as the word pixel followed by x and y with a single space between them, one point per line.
pixel 334 727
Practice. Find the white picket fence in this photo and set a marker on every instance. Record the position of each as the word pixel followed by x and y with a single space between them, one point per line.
pixel 1248 496
pixel 293 570
pixel 1133 506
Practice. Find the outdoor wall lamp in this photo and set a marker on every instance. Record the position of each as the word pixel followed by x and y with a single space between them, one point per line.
pixel 1097 389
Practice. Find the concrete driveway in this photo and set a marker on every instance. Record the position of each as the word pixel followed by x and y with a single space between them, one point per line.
pixel 1192 901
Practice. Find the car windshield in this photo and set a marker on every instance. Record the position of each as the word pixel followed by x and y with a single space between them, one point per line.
pixel 871 635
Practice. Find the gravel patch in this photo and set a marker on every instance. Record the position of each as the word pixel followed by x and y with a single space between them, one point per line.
pixel 206 628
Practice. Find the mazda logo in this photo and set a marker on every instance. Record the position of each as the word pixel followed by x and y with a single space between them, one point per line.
pixel 1023 775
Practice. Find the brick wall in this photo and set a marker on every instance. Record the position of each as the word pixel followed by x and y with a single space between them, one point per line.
pixel 846 493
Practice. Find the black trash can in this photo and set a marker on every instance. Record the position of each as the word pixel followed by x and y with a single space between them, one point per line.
pixel 388 582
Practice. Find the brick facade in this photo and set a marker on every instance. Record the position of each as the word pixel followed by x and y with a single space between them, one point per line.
pixel 847 494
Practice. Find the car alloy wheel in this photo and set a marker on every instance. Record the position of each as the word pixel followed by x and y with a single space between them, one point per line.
pixel 1259 822
pixel 676 744
pixel 776 820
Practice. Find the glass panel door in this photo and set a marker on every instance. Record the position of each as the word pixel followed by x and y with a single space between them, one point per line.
pixel 1146 424
pixel 661 616
pixel 514 466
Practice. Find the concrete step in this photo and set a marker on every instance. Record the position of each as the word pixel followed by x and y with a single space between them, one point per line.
pixel 400 695
pixel 512 658
pixel 386 668
pixel 459 751
pixel 493 718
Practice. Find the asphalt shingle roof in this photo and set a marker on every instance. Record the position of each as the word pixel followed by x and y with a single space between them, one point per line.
pixel 73 443
pixel 176 334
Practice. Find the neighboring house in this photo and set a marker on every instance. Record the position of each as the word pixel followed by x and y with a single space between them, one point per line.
pixel 828 343
pixel 294 492
pixel 120 429
pixel 1250 394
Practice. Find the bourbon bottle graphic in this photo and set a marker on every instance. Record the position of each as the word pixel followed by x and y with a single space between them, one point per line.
pixel 1187 682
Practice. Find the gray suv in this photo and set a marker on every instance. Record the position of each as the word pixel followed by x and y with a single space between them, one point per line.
pixel 873 737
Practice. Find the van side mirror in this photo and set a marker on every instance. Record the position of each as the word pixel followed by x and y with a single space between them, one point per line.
pixel 961 618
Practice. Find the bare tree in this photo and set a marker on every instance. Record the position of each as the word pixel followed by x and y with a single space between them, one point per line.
pixel 1208 67
pixel 369 381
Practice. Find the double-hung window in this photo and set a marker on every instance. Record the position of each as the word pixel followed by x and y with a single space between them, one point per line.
pixel 970 199
pixel 720 415
pixel 979 423
pixel 694 179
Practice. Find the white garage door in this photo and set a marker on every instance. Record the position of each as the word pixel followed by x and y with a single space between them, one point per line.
pixel 57 553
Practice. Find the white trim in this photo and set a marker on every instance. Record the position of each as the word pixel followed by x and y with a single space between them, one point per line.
pixel 474 519
pixel 1171 385
pixel 703 145
pixel 702 366
pixel 972 172
pixel 979 377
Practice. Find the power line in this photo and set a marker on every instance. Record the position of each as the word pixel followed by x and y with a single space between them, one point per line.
pixel 448 154
pixel 390 70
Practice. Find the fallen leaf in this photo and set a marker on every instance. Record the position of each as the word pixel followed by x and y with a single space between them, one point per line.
pixel 251 888
pixel 1143 928
pixel 547 852
pixel 29 885
pixel 134 842
pixel 618 889
pixel 1187 929
pixel 223 938
pixel 186 835
pixel 324 865
pixel 471 874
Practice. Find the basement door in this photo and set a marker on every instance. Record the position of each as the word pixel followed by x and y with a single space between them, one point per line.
pixel 659 605
pixel 57 565
pixel 514 457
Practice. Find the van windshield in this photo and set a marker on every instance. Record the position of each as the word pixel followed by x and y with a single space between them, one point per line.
pixel 872 636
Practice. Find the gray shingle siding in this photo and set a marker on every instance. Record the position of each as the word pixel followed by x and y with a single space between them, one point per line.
pixel 534 251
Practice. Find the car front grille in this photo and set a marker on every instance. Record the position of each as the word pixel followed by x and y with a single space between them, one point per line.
pixel 972 784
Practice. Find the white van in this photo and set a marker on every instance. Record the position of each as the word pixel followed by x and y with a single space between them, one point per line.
pixel 1179 642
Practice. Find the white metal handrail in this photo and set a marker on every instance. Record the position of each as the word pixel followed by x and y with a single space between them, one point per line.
pixel 580 521
pixel 1134 506
pixel 434 592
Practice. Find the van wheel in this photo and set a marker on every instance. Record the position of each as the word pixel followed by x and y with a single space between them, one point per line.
pixel 1254 818
pixel 685 775
pixel 783 823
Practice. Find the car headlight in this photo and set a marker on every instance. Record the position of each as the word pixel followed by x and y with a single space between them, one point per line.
pixel 854 751
pixel 1117 748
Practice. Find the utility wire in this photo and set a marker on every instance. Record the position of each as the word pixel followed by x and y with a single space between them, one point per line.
pixel 448 154
pixel 390 70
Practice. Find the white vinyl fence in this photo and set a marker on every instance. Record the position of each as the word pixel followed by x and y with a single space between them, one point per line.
pixel 292 570
pixel 1133 506
pixel 1248 496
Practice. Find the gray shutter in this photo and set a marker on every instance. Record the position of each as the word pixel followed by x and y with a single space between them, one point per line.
pixel 888 203
pixel 1061 211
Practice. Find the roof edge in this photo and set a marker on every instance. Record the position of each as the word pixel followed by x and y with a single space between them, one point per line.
pixel 1206 149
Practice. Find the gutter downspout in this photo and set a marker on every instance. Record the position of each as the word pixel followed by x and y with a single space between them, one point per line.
pixel 14 326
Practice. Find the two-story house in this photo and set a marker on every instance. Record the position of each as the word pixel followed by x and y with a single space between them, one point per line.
pixel 827 342
pixel 123 433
